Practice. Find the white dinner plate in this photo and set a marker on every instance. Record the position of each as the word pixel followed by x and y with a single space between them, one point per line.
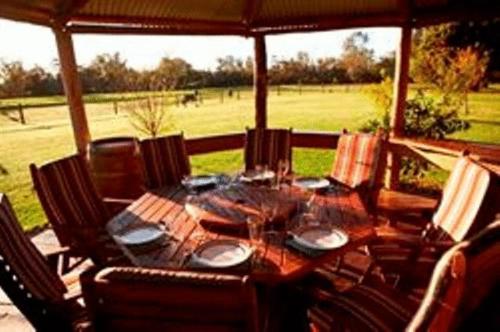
pixel 221 253
pixel 141 235
pixel 200 181
pixel 311 183
pixel 250 176
pixel 320 237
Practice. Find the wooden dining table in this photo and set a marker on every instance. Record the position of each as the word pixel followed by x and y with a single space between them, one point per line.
pixel 279 262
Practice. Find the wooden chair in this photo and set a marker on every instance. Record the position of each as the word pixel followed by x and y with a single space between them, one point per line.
pixel 74 208
pixel 26 277
pixel 136 299
pixel 462 295
pixel 359 160
pixel 165 160
pixel 468 204
pixel 267 147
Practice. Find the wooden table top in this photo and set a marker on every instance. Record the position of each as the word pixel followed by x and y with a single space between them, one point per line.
pixel 279 262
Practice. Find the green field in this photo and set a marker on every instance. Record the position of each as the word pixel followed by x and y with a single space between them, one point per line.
pixel 47 134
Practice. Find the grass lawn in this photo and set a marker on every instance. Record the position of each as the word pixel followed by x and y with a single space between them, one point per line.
pixel 48 135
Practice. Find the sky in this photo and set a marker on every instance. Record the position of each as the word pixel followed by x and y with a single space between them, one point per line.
pixel 36 45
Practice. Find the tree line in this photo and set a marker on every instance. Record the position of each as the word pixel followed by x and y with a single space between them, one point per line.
pixel 434 52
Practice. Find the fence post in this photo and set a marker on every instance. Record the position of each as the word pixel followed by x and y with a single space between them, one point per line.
pixel 115 106
pixel 21 114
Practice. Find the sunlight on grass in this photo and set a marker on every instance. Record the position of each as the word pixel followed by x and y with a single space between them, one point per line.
pixel 48 134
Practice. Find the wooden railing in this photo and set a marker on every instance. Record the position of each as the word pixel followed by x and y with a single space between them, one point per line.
pixel 441 153
pixel 234 141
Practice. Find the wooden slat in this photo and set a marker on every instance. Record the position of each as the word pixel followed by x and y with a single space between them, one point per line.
pixel 217 143
pixel 316 140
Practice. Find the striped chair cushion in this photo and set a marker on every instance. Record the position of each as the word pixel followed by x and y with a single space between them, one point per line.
pixel 267 147
pixel 463 197
pixel 69 198
pixel 366 307
pixel 463 278
pixel 357 159
pixel 26 262
pixel 165 160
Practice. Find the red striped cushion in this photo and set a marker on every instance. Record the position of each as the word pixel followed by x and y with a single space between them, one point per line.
pixel 374 307
pixel 25 261
pixel 357 159
pixel 462 279
pixel 165 160
pixel 463 196
pixel 70 198
pixel 267 147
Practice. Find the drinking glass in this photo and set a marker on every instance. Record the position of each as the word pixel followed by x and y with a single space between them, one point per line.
pixel 255 224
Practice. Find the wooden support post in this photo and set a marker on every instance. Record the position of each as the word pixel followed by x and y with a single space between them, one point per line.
pixel 21 114
pixel 399 100
pixel 260 82
pixel 72 88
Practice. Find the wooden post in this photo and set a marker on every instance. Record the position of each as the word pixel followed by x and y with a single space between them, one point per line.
pixel 21 114
pixel 260 82
pixel 399 100
pixel 72 88
pixel 115 106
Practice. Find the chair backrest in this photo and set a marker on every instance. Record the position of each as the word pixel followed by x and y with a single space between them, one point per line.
pixel 464 282
pixel 132 299
pixel 267 147
pixel 358 160
pixel 165 160
pixel 70 199
pixel 468 201
pixel 25 274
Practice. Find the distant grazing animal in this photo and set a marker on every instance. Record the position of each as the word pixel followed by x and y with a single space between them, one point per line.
pixel 190 98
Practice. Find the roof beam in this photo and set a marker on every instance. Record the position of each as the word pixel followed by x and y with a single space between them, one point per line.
pixel 68 8
pixel 252 8
pixel 153 30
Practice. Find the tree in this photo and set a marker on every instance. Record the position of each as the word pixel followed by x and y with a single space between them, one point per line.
pixel 150 116
pixel 453 71
pixel 171 73
pixel 357 58
pixel 13 79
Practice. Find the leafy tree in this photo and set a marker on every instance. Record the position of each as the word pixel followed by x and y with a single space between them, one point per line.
pixel 13 79
pixel 357 59
pixel 453 71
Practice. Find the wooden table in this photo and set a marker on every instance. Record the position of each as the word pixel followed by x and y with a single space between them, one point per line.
pixel 280 263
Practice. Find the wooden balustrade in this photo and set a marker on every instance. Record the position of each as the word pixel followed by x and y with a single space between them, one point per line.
pixel 441 153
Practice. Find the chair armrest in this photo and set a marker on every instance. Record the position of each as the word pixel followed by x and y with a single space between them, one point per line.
pixel 389 234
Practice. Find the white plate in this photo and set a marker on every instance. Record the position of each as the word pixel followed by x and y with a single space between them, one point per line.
pixel 200 181
pixel 140 235
pixel 311 183
pixel 250 176
pixel 321 237
pixel 221 253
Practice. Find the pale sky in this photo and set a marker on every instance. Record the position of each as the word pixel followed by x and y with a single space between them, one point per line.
pixel 35 45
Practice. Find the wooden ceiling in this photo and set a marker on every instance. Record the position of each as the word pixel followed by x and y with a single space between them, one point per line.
pixel 239 17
